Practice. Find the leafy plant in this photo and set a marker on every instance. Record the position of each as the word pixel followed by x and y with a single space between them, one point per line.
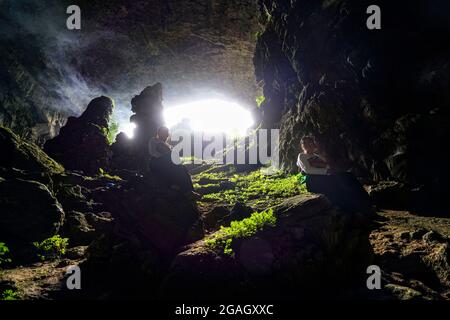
pixel 51 248
pixel 260 100
pixel 9 294
pixel 104 174
pixel 4 252
pixel 113 130
pixel 223 239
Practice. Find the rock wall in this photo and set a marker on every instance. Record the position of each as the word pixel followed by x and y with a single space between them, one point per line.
pixel 377 101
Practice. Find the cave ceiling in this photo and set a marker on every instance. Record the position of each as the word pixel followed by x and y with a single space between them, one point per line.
pixel 195 48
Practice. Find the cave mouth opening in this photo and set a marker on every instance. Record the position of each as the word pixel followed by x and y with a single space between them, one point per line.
pixel 210 116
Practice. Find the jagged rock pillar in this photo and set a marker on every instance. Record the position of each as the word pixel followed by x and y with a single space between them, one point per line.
pixel 82 143
pixel 148 116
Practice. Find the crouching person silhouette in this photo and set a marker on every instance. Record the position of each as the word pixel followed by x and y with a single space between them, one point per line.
pixel 341 188
pixel 161 164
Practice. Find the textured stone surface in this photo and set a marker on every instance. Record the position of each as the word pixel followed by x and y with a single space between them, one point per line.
pixel 194 47
pixel 311 250
pixel 375 100
pixel 83 143
pixel 413 254
pixel 20 154
pixel 29 213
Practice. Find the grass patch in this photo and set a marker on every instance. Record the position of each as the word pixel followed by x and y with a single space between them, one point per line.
pixel 257 188
pixel 223 239
pixel 209 178
pixel 51 248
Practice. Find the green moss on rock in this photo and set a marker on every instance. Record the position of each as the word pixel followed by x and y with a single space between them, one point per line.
pixel 24 155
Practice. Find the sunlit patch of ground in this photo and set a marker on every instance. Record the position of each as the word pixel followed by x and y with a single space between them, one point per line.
pixel 37 281
pixel 256 188
pixel 413 254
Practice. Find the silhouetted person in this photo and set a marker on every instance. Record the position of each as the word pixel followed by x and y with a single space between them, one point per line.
pixel 161 163
pixel 341 188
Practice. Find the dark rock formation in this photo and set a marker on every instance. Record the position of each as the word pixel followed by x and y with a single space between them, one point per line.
pixel 151 224
pixel 30 102
pixel 375 100
pixel 77 229
pixel 148 117
pixel 157 216
pixel 19 154
pixel 83 143
pixel 29 212
pixel 312 249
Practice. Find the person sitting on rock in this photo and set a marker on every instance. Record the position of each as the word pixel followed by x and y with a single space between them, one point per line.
pixel 341 188
pixel 161 163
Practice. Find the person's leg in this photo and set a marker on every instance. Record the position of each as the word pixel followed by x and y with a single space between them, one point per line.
pixel 323 184
pixel 353 193
pixel 183 178
pixel 163 168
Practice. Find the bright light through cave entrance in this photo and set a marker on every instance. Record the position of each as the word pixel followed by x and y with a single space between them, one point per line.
pixel 128 128
pixel 211 116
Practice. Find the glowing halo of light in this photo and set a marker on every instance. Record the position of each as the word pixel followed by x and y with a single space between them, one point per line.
pixel 128 129
pixel 211 116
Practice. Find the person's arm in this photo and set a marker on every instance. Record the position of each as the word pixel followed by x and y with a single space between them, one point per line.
pixel 163 148
pixel 317 162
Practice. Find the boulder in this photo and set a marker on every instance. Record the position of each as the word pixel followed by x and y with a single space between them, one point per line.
pixel 161 218
pixel 29 212
pixel 214 217
pixel 82 144
pixel 311 252
pixel 20 154
pixel 77 229
pixel 390 195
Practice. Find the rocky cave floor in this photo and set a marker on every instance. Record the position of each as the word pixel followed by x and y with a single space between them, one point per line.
pixel 411 249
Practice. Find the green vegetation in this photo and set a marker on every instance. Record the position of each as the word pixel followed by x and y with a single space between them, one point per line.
pixel 4 252
pixel 255 188
pixel 260 100
pixel 51 248
pixel 113 130
pixel 104 174
pixel 191 159
pixel 9 294
pixel 211 177
pixel 267 14
pixel 223 239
